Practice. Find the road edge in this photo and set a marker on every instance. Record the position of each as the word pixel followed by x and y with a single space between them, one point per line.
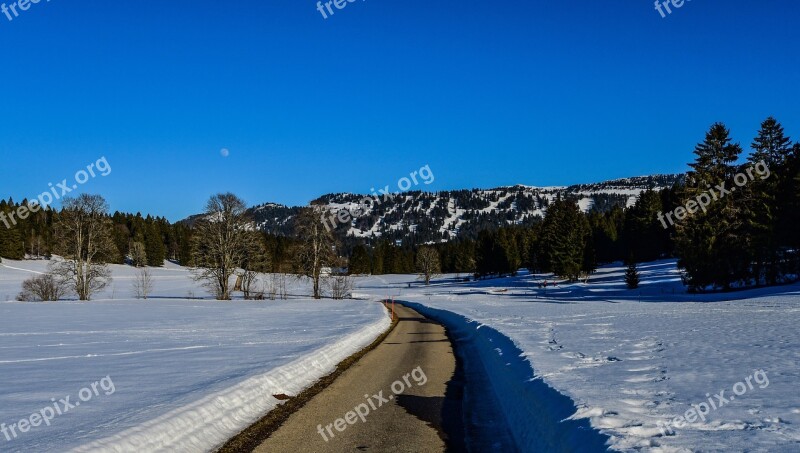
pixel 258 432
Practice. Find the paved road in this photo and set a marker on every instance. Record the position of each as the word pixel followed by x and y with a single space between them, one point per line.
pixel 392 400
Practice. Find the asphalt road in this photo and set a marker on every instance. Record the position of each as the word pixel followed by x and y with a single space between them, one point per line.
pixel 395 399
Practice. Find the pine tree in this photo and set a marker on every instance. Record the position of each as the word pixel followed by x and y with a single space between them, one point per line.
pixel 359 260
pixel 154 244
pixel 643 233
pixel 789 213
pixel 565 233
pixel 712 245
pixel 11 239
pixel 771 149
pixel 632 275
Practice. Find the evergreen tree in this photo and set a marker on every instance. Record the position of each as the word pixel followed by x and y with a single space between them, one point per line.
pixel 771 150
pixel 359 260
pixel 11 239
pixel 712 245
pixel 154 244
pixel 645 236
pixel 632 275
pixel 565 232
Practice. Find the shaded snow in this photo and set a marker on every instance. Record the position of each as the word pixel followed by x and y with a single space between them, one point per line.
pixel 630 360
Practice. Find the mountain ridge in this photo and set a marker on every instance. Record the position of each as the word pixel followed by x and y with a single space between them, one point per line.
pixel 419 216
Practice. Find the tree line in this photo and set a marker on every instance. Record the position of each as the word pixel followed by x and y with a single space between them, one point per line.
pixel 748 237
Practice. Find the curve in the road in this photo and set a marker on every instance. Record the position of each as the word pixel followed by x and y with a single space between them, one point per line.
pixel 502 393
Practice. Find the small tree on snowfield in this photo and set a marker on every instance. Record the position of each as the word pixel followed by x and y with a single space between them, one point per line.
pixel 428 265
pixel 316 248
pixel 632 275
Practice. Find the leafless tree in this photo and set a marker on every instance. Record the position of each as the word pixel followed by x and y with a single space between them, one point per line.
pixel 138 254
pixel 428 265
pixel 276 286
pixel 271 288
pixel 220 243
pixel 256 260
pixel 316 248
pixel 45 287
pixel 143 283
pixel 83 238
pixel 340 285
pixel 283 293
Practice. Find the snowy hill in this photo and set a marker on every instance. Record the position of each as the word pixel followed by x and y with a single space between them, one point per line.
pixel 441 216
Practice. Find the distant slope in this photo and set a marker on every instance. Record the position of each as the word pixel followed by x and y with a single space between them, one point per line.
pixel 434 217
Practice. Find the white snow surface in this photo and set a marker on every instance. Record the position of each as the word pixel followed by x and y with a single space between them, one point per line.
pixel 187 374
pixel 630 360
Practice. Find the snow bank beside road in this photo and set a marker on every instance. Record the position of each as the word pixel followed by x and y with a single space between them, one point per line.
pixel 635 361
pixel 500 385
pixel 208 423
pixel 188 374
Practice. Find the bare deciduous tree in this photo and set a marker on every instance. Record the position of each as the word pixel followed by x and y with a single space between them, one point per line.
pixel 256 260
pixel 316 248
pixel 143 283
pixel 220 243
pixel 45 287
pixel 428 265
pixel 83 238
pixel 138 254
pixel 276 286
pixel 340 285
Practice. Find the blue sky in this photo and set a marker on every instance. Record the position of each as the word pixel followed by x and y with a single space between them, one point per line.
pixel 486 93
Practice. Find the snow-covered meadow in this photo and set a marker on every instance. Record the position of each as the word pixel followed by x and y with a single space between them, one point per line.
pixel 187 374
pixel 635 361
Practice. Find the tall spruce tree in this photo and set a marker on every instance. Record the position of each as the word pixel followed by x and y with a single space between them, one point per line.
pixel 711 244
pixel 154 243
pixel 359 260
pixel 771 149
pixel 565 232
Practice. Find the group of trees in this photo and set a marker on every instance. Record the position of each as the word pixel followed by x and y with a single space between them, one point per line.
pixel 224 248
pixel 82 237
pixel 143 240
pixel 566 242
pixel 747 235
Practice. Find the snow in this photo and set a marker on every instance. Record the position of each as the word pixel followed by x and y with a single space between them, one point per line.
pixel 190 373
pixel 632 361
pixel 187 374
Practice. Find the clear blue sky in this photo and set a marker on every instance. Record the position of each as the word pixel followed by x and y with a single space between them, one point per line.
pixel 487 93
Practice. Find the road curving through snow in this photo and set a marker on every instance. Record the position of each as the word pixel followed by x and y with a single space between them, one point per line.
pixel 503 395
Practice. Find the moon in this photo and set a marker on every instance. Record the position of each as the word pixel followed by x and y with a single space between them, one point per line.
pixel 224 152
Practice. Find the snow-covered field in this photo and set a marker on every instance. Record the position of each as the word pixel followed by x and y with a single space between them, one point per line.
pixel 631 360
pixel 170 373
pixel 189 373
